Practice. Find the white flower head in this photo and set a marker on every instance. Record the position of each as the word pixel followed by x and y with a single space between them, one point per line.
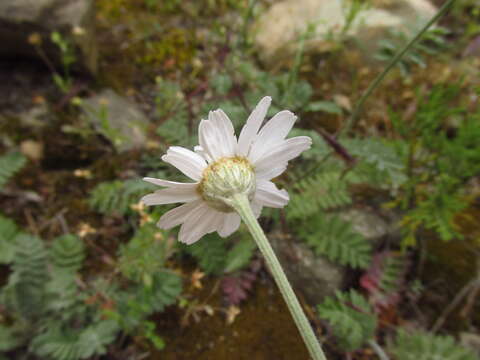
pixel 221 166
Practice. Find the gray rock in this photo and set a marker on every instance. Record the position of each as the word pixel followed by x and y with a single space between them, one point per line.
pixel 74 19
pixel 118 119
pixel 314 276
pixel 471 341
pixel 369 225
pixel 278 30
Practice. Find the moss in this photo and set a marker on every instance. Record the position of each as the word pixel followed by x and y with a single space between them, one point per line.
pixel 263 330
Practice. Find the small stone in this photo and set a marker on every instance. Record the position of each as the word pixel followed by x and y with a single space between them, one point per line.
pixel 314 276
pixel 32 149
pixel 118 119
pixel 371 226
pixel 471 341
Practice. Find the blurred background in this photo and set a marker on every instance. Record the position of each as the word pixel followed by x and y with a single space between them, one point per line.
pixel 381 237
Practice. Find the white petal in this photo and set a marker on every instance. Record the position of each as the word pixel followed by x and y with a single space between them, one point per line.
pixel 200 151
pixel 171 195
pixel 205 138
pixel 281 153
pixel 273 172
pixel 256 208
pixel 217 136
pixel 208 139
pixel 225 133
pixel 272 133
pixel 201 221
pixel 178 215
pixel 254 121
pixel 269 195
pixel 167 183
pixel 188 162
pixel 230 224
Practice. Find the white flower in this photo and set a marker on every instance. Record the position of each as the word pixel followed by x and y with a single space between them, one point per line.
pixel 222 166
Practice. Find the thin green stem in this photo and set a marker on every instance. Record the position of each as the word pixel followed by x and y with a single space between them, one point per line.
pixel 358 108
pixel 246 21
pixel 241 204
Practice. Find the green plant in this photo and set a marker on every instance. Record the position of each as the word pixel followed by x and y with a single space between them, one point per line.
pixel 10 163
pixel 333 237
pixel 46 310
pixel 432 43
pixel 117 196
pixel 416 345
pixel 322 191
pixel 68 58
pixel 351 318
pixel 9 234
pixel 437 164
pixel 217 256
pixel 144 254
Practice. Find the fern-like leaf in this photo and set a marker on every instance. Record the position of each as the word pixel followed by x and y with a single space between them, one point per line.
pixel 210 253
pixel 144 255
pixel 56 344
pixel 382 157
pixel 333 237
pixel 9 165
pixel 240 255
pixel 68 253
pixel 117 196
pixel 322 191
pixel 419 345
pixel 30 270
pixel 8 239
pixel 164 291
pixel 75 344
pixel 9 340
pixel 351 318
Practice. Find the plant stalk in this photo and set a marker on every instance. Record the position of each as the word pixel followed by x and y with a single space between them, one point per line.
pixel 241 204
pixel 358 108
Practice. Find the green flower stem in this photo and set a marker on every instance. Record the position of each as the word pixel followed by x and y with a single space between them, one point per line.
pixel 241 204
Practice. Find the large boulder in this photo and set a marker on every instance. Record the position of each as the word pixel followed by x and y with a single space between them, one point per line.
pixel 73 19
pixel 278 30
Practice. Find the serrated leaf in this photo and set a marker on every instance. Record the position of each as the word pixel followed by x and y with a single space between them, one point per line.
pixel 240 255
pixel 9 165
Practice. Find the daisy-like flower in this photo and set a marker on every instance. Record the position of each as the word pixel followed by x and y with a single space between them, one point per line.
pixel 221 167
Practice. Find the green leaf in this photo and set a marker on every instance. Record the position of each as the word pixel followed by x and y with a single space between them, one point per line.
pixel 144 255
pixel 9 340
pixel 117 196
pixel 415 345
pixel 8 240
pixel 240 255
pixel 67 253
pixel 9 165
pixel 335 238
pixel 322 191
pixel 324 106
pixel 221 83
pixel 210 252
pixel 351 318
pixel 30 277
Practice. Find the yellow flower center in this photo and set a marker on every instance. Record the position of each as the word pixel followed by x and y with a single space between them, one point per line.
pixel 224 178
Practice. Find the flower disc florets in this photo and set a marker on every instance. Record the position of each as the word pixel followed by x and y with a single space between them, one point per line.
pixel 224 178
